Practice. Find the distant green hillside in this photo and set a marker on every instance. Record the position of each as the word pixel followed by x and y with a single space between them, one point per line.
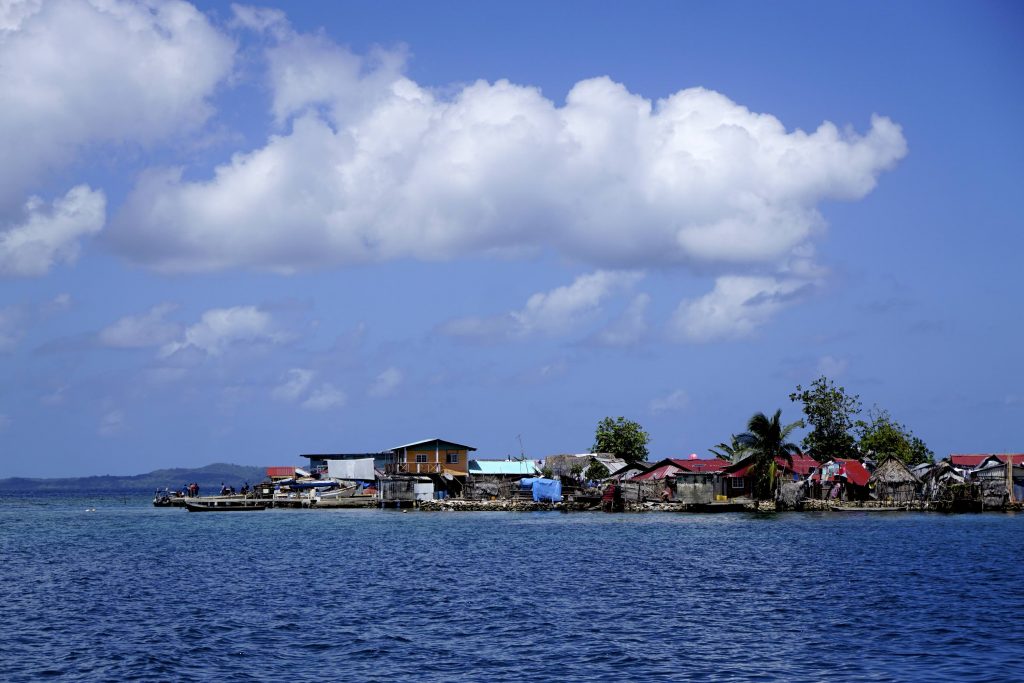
pixel 209 479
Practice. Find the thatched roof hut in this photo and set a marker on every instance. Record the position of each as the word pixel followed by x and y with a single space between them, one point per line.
pixel 894 482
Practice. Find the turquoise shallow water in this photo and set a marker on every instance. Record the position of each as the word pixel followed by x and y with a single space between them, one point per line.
pixel 130 592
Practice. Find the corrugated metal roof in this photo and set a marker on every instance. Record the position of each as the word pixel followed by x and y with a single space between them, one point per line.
pixel 670 467
pixel 499 467
pixel 430 441
pixel 802 465
pixel 975 459
pixel 662 472
pixel 853 470
pixel 700 465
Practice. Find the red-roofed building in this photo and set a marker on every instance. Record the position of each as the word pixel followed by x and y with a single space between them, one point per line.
pixel 702 465
pixel 851 470
pixel 672 467
pixel 738 483
pixel 970 461
pixel 846 477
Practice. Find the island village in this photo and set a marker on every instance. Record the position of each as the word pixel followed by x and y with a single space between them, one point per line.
pixel 444 475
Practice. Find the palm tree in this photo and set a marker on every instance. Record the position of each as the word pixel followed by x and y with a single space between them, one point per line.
pixel 767 440
pixel 734 451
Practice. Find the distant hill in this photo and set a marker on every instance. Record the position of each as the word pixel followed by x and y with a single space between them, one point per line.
pixel 209 479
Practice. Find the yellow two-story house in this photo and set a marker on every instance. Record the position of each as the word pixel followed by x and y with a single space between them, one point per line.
pixel 433 456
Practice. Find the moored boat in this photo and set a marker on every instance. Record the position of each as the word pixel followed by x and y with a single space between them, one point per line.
pixel 853 508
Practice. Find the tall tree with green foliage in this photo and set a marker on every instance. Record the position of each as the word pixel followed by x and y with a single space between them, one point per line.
pixel 767 439
pixel 829 411
pixel 881 435
pixel 734 451
pixel 623 438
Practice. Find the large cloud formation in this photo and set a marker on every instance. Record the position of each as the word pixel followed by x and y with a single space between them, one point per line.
pixel 371 166
pixel 74 74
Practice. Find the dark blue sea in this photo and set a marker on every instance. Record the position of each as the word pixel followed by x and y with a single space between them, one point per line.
pixel 130 592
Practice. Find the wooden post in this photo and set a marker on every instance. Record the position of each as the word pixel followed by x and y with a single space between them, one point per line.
pixel 1009 477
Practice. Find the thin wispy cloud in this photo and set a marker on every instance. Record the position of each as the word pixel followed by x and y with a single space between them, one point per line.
pixel 386 383
pixel 11 320
pixel 295 385
pixel 674 402
pixel 736 308
pixel 558 312
pixel 629 328
pixel 220 328
pixel 325 397
pixel 112 423
pixel 148 329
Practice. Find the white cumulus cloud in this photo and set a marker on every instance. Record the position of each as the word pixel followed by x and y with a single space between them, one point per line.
pixel 369 165
pixel 557 312
pixel 76 73
pixel 219 328
pixel 141 331
pixel 735 308
pixel 51 234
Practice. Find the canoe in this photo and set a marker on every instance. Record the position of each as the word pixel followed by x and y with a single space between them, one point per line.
pixel 846 508
pixel 225 507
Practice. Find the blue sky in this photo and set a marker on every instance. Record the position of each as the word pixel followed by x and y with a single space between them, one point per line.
pixel 240 233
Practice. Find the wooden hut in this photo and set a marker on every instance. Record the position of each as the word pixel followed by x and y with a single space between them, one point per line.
pixel 894 482
pixel 997 482
pixel 937 478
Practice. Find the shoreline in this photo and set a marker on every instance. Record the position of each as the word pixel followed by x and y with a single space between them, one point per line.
pixel 869 507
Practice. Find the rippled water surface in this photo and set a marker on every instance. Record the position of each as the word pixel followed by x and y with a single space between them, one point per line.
pixel 131 592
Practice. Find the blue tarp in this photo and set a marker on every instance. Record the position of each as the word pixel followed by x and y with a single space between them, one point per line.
pixel 547 489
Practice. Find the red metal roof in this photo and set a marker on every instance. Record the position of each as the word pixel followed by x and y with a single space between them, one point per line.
pixel 700 465
pixel 974 459
pixel 853 470
pixel 670 467
pixel 658 473
pixel 802 465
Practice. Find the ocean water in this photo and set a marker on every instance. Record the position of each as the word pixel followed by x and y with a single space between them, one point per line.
pixel 130 592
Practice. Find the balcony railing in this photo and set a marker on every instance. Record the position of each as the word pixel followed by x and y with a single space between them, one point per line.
pixel 413 468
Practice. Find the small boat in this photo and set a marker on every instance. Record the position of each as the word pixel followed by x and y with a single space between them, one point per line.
pixel 229 506
pixel 346 492
pixel 851 508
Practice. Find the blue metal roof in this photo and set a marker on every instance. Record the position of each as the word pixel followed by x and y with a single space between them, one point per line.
pixel 500 467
